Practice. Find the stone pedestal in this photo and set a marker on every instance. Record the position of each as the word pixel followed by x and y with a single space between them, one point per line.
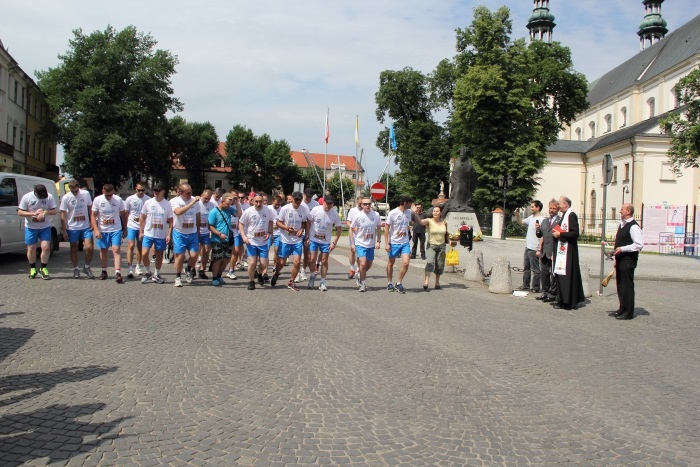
pixel 501 279
pixel 455 219
pixel 474 266
pixel 586 279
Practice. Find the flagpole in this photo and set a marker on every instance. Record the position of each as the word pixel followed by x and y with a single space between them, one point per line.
pixel 325 154
pixel 357 144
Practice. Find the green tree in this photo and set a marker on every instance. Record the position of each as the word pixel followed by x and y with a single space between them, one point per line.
pixel 258 162
pixel 684 127
pixel 333 185
pixel 510 101
pixel 195 144
pixel 109 95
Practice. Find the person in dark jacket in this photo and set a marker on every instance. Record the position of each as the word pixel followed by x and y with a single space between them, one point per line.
pixel 628 243
pixel 566 263
pixel 547 251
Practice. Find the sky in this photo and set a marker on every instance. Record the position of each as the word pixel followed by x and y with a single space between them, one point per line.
pixel 278 67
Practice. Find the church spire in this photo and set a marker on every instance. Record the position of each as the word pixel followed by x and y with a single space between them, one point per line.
pixel 541 23
pixel 653 28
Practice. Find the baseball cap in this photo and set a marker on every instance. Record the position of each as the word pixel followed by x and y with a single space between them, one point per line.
pixel 40 191
pixel 328 199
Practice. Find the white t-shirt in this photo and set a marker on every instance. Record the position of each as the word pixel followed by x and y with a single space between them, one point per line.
pixel 322 224
pixel 77 210
pixel 234 221
pixel 531 240
pixel 204 210
pixel 292 218
pixel 108 213
pixel 185 223
pixel 257 224
pixel 352 213
pixel 134 205
pixel 275 212
pixel 397 222
pixel 31 203
pixel 310 205
pixel 366 225
pixel 157 215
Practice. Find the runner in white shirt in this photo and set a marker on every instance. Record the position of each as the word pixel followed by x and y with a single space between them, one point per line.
pixel 397 241
pixel 322 220
pixel 274 240
pixel 185 232
pixel 155 231
pixel 34 207
pixel 292 221
pixel 75 221
pixel 255 227
pixel 365 230
pixel 236 242
pixel 309 202
pixel 109 227
pixel 134 205
pixel 205 205
pixel 354 266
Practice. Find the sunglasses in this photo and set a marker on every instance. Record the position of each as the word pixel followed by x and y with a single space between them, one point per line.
pixel 140 191
pixel 365 204
pixel 241 197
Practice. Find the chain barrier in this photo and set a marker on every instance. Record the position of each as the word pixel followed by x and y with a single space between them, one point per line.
pixel 516 269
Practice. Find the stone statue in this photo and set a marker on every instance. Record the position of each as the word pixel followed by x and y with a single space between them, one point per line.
pixel 462 183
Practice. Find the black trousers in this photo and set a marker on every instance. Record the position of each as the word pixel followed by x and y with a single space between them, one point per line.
pixel 546 276
pixel 624 279
pixel 418 238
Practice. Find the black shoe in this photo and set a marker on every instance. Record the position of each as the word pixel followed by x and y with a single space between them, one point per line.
pixel 266 278
pixel 561 307
pixel 251 285
pixel 548 299
pixel 203 275
pixel 535 290
pixel 422 257
pixel 523 288
pixel 273 281
pixel 413 256
pixel 623 317
pixel 542 297
pixel 261 279
pixel 615 313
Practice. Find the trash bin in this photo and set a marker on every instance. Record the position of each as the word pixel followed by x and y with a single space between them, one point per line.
pixel 466 236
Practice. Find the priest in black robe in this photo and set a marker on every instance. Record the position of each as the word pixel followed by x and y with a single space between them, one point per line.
pixel 566 262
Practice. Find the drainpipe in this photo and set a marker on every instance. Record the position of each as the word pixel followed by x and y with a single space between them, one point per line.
pixel 632 152
pixel 584 160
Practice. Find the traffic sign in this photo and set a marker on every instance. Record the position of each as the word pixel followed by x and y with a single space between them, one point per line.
pixel 377 191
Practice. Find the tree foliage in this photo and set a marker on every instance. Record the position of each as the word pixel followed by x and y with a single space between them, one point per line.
pixel 684 127
pixel 195 144
pixel 259 163
pixel 109 94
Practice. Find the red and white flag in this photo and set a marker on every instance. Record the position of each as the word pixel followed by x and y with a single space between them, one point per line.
pixel 328 129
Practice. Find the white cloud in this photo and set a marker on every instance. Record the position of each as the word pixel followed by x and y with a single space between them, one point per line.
pixel 277 66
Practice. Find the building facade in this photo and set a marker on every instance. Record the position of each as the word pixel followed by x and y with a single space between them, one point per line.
pixel 327 165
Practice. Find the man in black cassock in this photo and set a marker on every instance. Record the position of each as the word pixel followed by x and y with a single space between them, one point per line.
pixel 566 267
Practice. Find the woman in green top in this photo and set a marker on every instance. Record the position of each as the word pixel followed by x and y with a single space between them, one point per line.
pixel 435 250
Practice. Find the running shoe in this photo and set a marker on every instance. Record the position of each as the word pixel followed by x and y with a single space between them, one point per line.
pixel 178 282
pixel 157 279
pixel 88 272
pixel 221 281
pixel 302 275
pixel 146 279
pixel 351 274
pixel 390 287
pixel 312 279
pixel 292 286
pixel 130 274
pixel 273 281
pixel 76 273
pixel 203 275
pixel 188 276
pixel 261 279
pixel 118 278
pixel 266 278
pixel 323 287
pixel 251 285
pixel 231 275
pixel 138 271
pixel 32 273
pixel 363 288
pixel 44 274
pixel 215 283
pixel 400 289
pixel 103 275
pixel 244 264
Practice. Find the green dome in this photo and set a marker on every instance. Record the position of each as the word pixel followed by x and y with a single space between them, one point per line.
pixel 541 14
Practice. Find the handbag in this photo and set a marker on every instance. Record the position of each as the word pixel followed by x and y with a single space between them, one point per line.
pixel 452 257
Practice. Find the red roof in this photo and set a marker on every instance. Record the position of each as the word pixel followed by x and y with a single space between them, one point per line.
pixel 330 161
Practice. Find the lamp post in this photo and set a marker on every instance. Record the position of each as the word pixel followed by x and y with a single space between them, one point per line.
pixel 625 191
pixel 504 183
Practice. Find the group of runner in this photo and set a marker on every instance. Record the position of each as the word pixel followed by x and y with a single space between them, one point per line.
pixel 218 230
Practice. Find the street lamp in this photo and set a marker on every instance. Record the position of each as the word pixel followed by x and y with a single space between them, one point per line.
pixel 504 183
pixel 625 191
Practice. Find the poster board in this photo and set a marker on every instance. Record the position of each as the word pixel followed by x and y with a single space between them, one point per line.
pixel 667 220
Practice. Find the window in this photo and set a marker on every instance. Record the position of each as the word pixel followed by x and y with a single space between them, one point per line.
pixel 614 177
pixel 354 176
pixel 623 115
pixel 593 206
pixel 667 174
pixel 578 134
pixel 218 184
pixel 14 137
pixel 627 172
pixel 8 192
pixel 608 123
pixel 652 107
pixel 613 213
pixel 592 127
pixel 21 140
pixel 16 89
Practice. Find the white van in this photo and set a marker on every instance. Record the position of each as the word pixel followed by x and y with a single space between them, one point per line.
pixel 12 188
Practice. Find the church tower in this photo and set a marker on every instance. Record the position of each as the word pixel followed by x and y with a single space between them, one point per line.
pixel 541 23
pixel 653 28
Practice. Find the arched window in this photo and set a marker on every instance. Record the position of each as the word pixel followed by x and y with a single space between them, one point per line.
pixel 652 107
pixel 623 115
pixel 608 123
pixel 578 134
pixel 674 98
pixel 592 127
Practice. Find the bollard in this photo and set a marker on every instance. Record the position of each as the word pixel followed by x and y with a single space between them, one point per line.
pixel 585 279
pixel 474 266
pixel 501 279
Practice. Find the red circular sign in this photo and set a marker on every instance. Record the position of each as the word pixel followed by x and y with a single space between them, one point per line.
pixel 377 191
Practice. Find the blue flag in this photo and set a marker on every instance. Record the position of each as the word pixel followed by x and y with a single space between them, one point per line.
pixel 392 138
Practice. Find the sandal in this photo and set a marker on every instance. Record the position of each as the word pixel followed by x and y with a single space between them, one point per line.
pixel 437 287
pixel 425 286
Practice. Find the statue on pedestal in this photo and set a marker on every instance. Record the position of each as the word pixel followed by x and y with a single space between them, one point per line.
pixel 462 183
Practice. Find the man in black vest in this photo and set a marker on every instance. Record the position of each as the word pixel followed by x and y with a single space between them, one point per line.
pixel 628 243
pixel 547 252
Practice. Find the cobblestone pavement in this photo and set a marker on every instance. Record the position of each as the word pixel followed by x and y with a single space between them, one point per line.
pixel 96 373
